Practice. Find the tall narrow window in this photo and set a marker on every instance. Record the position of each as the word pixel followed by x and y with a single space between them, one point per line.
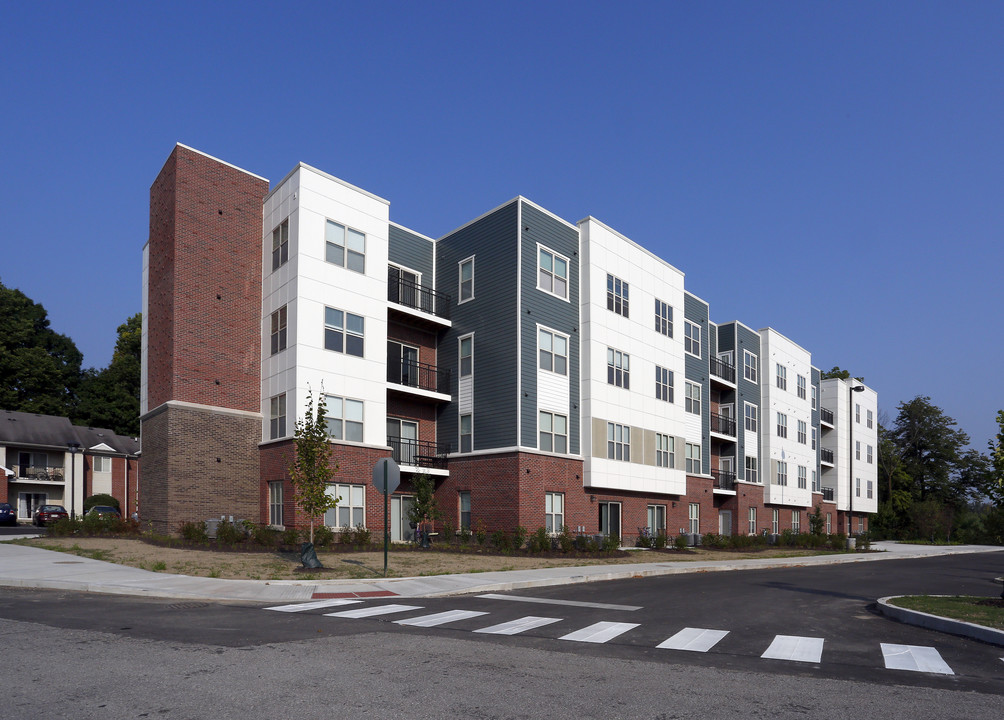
pixel 868 455
pixel 693 458
pixel 870 418
pixel 750 366
pixel 617 295
pixel 345 247
pixel 802 478
pixel 774 518
pixel 813 438
pixel 618 368
pixel 466 433
pixel 277 417
pixel 663 384
pixel 751 470
pixel 618 442
pixel 665 451
pixel 781 376
pixel 280 245
pixel 554 512
pixel 467 279
pixel 801 431
pixel 857 449
pixel 857 413
pixel 692 338
pixel 800 383
pixel 466 356
pixel 278 334
pixel 465 510
pixel 814 396
pixel 692 399
pixel 796 521
pixel 694 515
pixel 553 350
pixel 663 318
pixel 552 276
pixel 782 425
pixel 275 514
pixel 782 472
pixel 751 415
pixel 752 521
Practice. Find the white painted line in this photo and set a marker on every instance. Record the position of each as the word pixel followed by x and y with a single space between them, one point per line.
pixel 549 601
pixel 316 605
pixel 371 611
pixel 694 639
pixel 917 658
pixel 600 632
pixel 440 618
pixel 514 627
pixel 793 647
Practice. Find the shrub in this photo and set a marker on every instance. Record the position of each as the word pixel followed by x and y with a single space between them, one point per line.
pixel 465 536
pixel 566 541
pixel 449 534
pixel 864 541
pixel 540 541
pixel 715 541
pixel 101 499
pixel 290 536
pixel 64 527
pixel 681 542
pixel 228 533
pixel 263 535
pixel 359 536
pixel 660 540
pixel 611 542
pixel 194 532
pixel 480 533
pixel 837 541
pixel 644 539
pixel 323 536
pixel 501 541
pixel 519 537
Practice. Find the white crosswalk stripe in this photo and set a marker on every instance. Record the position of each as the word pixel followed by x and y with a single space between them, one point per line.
pixel 440 618
pixel 600 632
pixel 514 627
pixel 914 657
pixel 315 605
pixel 693 639
pixel 373 611
pixel 793 647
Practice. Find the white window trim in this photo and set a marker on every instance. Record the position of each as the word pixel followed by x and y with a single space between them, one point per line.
pixel 553 433
pixel 460 279
pixel 345 247
pixel 556 528
pixel 460 434
pixel 568 267
pixel 755 417
pixel 754 367
pixel 688 340
pixel 568 351
pixel 460 357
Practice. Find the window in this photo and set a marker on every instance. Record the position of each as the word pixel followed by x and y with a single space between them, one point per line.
pixel 663 318
pixel 693 458
pixel 466 433
pixel 751 412
pixel 869 489
pixel 618 368
pixel 553 273
pixel 752 521
pixel 857 413
pixel 816 487
pixel 800 384
pixel 829 526
pixel 657 519
pixel 813 438
pixel 345 247
pixel 801 431
pixel 782 472
pixel 692 399
pixel 663 384
pixel 692 338
pixel 277 417
pixel 345 418
pixel 280 245
pixel 695 518
pixel 861 525
pixel 665 451
pixel 553 432
pixel 343 332
pixel 351 509
pixel 465 511
pixel 466 280
pixel 617 295
pixel 466 355
pixel 868 454
pixel 618 442
pixel 796 521
pixel 857 449
pixel 774 516
pixel 802 477
pixel 278 333
pixel 869 418
pixel 101 463
pixel 857 487
pixel 553 352
pixel 814 397
pixel 554 512
pixel 751 470
pixel 275 503
pixel 749 366
pixel 782 425
pixel 781 376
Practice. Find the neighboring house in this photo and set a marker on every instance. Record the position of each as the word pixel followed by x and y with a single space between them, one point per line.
pixel 46 459
pixel 542 372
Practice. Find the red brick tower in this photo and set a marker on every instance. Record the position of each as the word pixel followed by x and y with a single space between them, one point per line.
pixel 202 421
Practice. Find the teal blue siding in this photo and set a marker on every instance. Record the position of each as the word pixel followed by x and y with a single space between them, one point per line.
pixel 698 370
pixel 412 251
pixel 747 392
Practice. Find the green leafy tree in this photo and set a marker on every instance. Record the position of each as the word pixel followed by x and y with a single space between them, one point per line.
pixel 835 372
pixel 39 368
pixel 313 466
pixel 995 484
pixel 930 450
pixel 424 488
pixel 109 398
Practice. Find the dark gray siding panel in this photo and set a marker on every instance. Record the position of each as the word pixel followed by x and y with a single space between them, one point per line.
pixel 698 370
pixel 493 240
pixel 747 392
pixel 815 379
pixel 727 337
pixel 546 309
pixel 412 251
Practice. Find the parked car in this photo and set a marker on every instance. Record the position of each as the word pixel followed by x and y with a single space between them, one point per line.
pixel 49 513
pixel 8 515
pixel 104 511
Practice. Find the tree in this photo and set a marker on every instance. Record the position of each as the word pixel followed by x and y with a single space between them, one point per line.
pixel 39 368
pixel 836 372
pixel 424 506
pixel 995 487
pixel 109 398
pixel 930 449
pixel 313 466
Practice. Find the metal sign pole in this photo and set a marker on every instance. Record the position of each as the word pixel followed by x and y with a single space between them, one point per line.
pixel 386 518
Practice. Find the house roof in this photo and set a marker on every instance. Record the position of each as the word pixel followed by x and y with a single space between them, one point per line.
pixel 103 440
pixel 31 429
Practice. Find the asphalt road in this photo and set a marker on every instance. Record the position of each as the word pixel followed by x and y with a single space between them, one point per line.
pixel 122 657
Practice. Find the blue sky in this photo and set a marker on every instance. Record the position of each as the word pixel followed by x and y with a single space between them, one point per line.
pixel 832 170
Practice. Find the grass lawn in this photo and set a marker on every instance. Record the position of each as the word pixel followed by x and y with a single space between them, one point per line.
pixel 963 608
pixel 404 561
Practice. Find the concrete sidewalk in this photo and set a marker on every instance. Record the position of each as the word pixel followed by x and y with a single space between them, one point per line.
pixel 29 567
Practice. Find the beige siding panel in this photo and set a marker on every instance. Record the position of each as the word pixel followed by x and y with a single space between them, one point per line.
pixel 649 458
pixel 599 438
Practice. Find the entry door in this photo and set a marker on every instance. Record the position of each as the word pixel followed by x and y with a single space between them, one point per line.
pixel 400 528
pixel 610 518
pixel 725 464
pixel 727 411
pixel 724 522
pixel 27 503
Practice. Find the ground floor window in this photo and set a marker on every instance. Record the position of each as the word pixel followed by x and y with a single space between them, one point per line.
pixel 861 525
pixel 657 519
pixel 796 521
pixel 695 518
pixel 275 516
pixel 351 509
pixel 465 511
pixel 828 526
pixel 751 470
pixel 752 523
pixel 554 511
pixel 774 520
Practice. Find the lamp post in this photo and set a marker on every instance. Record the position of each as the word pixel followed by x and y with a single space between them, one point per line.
pixel 851 389
pixel 73 447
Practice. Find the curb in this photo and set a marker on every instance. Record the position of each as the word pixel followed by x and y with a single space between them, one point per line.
pixel 941 624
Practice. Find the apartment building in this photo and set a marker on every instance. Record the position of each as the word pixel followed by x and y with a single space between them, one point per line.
pixel 542 372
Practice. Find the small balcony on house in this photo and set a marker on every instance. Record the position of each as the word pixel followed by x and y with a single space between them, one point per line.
pixel 826 418
pixel 410 298
pixel 418 379
pixel 828 494
pixel 723 425
pixel 724 482
pixel 30 466
pixel 419 456
pixel 826 456
pixel 723 371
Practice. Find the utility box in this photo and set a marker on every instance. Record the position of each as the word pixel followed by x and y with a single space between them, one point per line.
pixel 211 526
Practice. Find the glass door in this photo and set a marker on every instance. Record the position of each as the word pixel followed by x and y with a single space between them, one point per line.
pixel 400 525
pixel 724 522
pixel 610 518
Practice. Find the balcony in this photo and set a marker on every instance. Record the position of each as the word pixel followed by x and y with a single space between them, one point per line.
pixel 723 425
pixel 826 456
pixel 418 453
pixel 419 375
pixel 723 370
pixel 43 474
pixel 826 416
pixel 404 291
pixel 828 494
pixel 724 480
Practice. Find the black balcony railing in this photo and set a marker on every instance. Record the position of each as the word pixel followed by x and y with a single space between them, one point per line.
pixel 828 494
pixel 407 292
pixel 826 455
pixel 724 370
pixel 418 453
pixel 826 416
pixel 418 375
pixel 723 424
pixel 724 479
